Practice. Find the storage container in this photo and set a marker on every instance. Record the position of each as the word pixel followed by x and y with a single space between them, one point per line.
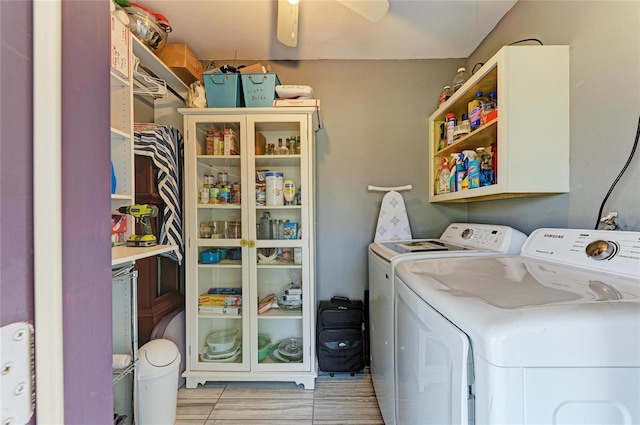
pixel 182 62
pixel 259 89
pixel 223 90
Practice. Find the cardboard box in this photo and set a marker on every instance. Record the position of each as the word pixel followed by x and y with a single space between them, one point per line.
pixel 230 142
pixel 182 62
pixel 261 142
pixel 120 48
pixel 255 68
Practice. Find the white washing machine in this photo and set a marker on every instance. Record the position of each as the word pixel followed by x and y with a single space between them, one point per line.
pixel 459 239
pixel 551 336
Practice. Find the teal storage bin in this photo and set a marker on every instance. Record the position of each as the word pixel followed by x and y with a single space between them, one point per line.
pixel 259 89
pixel 223 90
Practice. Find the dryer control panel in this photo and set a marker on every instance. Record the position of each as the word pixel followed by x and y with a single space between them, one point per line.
pixel 491 237
pixel 603 250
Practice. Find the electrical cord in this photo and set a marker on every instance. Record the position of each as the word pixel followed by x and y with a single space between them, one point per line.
pixel 525 40
pixel 633 151
pixel 473 70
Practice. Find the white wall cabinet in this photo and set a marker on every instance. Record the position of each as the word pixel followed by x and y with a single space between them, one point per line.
pixel 265 266
pixel 531 132
pixel 122 152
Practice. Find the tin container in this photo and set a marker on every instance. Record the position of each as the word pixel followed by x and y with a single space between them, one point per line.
pixel 275 188
pixel 203 197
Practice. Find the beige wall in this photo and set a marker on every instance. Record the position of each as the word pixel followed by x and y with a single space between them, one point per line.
pixel 375 133
pixel 375 115
pixel 604 40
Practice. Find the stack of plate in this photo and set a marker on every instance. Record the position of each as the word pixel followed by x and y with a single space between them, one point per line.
pixel 285 304
pixel 222 346
pixel 288 350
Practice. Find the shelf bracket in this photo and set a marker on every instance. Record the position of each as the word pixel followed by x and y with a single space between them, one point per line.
pixel 16 378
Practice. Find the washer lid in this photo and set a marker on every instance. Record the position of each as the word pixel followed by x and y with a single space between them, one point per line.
pixel 521 312
pixel 393 249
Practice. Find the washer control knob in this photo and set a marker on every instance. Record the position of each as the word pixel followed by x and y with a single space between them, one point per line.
pixel 600 250
pixel 467 233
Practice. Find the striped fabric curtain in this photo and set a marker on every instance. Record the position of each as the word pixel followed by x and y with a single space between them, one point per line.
pixel 164 145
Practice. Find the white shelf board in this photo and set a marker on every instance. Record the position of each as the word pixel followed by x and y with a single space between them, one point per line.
pixel 124 254
pixel 150 61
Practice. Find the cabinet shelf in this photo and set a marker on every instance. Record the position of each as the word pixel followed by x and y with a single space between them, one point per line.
pixel 276 313
pixel 529 140
pixel 220 316
pixel 220 206
pixel 119 133
pixel 124 254
pixel 482 136
pixel 150 61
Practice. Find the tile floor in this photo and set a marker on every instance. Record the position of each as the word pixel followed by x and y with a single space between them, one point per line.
pixel 338 400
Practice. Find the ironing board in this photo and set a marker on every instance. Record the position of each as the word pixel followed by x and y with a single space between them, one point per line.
pixel 393 222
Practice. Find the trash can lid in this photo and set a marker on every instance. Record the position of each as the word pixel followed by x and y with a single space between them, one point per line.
pixel 159 352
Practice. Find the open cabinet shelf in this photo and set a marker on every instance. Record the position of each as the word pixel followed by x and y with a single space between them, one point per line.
pixel 529 139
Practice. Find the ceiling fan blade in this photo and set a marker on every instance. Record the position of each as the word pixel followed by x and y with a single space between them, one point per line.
pixel 372 10
pixel 287 24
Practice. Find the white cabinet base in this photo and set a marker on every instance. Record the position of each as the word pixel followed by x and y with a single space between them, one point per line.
pixel 307 379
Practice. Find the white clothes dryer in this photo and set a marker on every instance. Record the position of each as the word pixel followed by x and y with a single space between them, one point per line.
pixel 458 240
pixel 551 336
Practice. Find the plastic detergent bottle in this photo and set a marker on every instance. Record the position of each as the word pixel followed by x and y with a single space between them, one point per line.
pixel 445 94
pixel 453 187
pixel 451 125
pixel 493 98
pixel 485 161
pixel 444 184
pixel 486 107
pixel 460 78
pixel 473 170
pixel 461 173
pixel 475 110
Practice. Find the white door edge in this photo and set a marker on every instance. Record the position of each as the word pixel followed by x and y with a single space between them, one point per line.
pixel 47 201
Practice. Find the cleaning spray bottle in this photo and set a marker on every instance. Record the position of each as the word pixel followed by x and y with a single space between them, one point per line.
pixel 461 173
pixel 453 187
pixel 473 171
pixel 445 176
pixel 487 176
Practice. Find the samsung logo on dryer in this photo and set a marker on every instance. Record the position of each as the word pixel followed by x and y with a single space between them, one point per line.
pixel 553 235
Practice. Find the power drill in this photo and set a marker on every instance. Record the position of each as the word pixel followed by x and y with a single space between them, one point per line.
pixel 142 214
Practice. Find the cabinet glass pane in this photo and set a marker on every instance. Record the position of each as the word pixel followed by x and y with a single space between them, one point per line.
pixel 220 304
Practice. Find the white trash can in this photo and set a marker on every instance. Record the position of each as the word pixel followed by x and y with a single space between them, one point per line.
pixel 157 382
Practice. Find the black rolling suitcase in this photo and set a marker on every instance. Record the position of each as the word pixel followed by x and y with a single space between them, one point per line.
pixel 340 335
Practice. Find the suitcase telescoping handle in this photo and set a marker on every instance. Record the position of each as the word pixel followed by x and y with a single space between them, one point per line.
pixel 343 299
pixel 340 298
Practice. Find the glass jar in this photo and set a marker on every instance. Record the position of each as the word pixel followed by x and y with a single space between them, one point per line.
pixel 234 231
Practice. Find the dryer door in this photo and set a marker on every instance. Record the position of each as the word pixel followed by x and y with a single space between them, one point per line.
pixel 432 371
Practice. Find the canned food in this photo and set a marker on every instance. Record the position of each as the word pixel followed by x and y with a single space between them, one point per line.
pixel 213 195
pixel 223 177
pixel 204 195
pixel 208 180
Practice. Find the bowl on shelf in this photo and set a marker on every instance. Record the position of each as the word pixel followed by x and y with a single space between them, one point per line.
pixel 234 254
pixel 222 341
pixel 210 257
pixel 264 343
pixel 291 349
pixel 147 27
